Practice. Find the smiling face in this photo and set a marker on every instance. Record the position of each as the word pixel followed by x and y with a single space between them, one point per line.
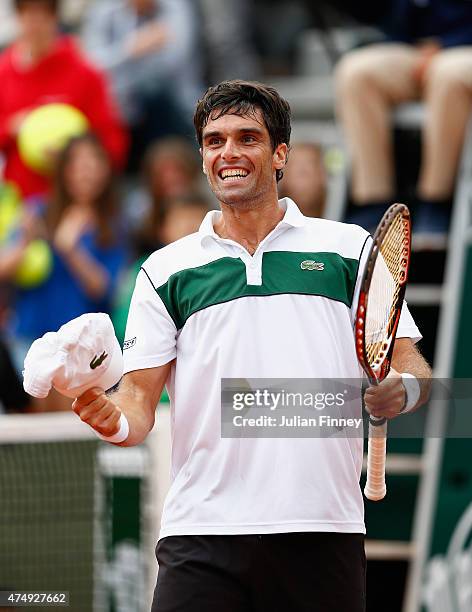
pixel 239 160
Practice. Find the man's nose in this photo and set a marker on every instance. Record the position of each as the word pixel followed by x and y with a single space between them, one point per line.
pixel 230 150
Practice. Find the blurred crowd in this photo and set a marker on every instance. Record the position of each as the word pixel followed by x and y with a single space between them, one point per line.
pixel 77 220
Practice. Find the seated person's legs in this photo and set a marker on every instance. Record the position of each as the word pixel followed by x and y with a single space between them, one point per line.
pixel 369 83
pixel 448 95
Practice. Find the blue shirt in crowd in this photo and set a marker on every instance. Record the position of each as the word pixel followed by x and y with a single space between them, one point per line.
pixel 61 298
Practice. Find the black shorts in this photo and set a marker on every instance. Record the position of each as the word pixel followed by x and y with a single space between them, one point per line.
pixel 293 572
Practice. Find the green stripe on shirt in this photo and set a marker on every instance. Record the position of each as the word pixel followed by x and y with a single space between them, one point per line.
pixel 224 280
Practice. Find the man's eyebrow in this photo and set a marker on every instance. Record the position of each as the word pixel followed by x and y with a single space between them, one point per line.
pixel 211 134
pixel 251 130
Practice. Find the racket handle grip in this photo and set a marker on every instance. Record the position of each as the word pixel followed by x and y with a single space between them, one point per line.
pixel 375 488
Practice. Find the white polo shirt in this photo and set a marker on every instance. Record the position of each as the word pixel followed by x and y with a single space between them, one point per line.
pixel 222 313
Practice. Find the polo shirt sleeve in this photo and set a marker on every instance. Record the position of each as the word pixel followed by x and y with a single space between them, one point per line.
pixel 150 339
pixel 407 327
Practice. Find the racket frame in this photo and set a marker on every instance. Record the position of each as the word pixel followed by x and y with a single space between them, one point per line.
pixel 377 372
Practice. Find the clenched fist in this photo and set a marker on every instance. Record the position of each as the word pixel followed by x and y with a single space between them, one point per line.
pixel 98 411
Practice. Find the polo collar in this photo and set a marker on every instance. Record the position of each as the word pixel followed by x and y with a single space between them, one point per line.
pixel 292 218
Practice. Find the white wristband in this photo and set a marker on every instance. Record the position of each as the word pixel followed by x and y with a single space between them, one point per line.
pixel 121 434
pixel 412 390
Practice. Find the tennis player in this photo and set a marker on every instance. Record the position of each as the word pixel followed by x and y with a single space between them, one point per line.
pixel 252 524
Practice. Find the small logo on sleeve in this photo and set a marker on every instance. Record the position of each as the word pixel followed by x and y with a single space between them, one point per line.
pixel 96 361
pixel 308 264
pixel 129 343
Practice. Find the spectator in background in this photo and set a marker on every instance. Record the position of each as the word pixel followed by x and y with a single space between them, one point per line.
pixel 150 50
pixel 171 169
pixel 304 179
pixel 83 228
pixel 170 221
pixel 228 29
pixel 429 57
pixel 71 14
pixel 182 216
pixel 43 67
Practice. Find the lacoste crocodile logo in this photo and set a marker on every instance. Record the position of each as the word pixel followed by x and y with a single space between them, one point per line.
pixel 308 264
pixel 129 343
pixel 96 361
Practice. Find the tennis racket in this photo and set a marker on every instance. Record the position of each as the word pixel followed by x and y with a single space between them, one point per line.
pixel 378 312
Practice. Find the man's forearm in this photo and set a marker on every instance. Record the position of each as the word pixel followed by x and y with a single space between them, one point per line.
pixel 140 416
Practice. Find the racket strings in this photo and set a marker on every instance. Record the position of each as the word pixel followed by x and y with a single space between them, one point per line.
pixel 388 276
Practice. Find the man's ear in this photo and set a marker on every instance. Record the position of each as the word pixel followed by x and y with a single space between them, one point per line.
pixel 280 156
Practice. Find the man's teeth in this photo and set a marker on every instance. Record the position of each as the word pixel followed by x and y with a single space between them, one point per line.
pixel 233 174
